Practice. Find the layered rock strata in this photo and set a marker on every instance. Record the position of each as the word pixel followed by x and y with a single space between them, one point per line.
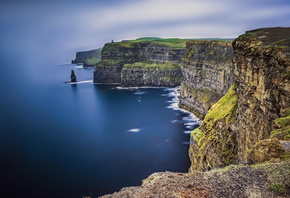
pixel 207 72
pixel 157 64
pixel 236 129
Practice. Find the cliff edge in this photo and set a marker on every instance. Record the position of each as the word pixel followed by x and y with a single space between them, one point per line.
pixel 250 124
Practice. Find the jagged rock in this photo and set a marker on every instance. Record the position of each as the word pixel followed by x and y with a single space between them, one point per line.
pixel 73 77
pixel 207 72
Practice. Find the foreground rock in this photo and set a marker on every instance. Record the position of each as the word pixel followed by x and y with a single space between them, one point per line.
pixel 263 181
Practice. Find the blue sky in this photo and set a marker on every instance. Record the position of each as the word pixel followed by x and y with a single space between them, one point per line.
pixel 87 24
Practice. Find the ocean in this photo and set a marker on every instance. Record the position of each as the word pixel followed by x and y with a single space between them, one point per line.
pixel 70 140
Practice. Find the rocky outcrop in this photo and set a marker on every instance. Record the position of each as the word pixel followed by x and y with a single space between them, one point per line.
pixel 207 74
pixel 263 181
pixel 236 128
pixel 88 58
pixel 73 77
pixel 151 58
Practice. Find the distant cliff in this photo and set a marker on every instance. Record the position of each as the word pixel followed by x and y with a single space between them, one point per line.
pixel 207 72
pixel 88 58
pixel 243 126
pixel 141 62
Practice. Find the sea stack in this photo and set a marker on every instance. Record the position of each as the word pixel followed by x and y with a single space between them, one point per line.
pixel 73 77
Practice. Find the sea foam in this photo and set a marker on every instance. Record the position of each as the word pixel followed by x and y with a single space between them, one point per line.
pixel 136 130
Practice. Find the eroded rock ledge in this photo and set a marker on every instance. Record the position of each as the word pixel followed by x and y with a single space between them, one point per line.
pixel 263 181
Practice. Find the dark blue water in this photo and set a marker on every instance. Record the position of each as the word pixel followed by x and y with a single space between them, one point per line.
pixel 70 140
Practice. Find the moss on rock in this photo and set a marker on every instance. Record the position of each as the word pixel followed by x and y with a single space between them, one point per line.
pixel 213 143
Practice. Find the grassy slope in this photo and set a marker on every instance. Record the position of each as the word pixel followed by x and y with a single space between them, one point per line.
pixel 172 42
pixel 153 65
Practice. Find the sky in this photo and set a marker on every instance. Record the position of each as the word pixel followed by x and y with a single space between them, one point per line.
pixel 60 27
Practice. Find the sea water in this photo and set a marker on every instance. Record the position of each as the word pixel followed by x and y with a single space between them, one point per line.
pixel 69 140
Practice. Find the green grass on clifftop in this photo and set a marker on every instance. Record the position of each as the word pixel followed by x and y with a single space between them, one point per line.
pixel 171 42
pixel 167 65
pixel 93 61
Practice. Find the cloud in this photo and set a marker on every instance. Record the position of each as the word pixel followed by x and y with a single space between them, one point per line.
pixel 75 25
pixel 168 13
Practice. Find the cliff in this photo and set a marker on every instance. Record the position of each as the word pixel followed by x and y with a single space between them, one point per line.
pixel 249 124
pixel 207 72
pixel 244 125
pixel 88 58
pixel 149 62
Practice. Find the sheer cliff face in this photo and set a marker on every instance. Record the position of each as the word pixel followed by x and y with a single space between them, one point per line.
pixel 154 76
pixel 244 129
pixel 207 74
pixel 262 68
pixel 116 55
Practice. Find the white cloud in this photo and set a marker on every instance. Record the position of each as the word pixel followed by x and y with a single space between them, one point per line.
pixel 151 11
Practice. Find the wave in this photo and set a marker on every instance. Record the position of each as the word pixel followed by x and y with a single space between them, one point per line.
pixel 139 92
pixel 81 82
pixel 79 67
pixel 190 120
pixel 136 130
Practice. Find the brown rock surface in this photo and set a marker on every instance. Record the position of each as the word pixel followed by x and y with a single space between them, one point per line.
pixel 239 181
pixel 207 72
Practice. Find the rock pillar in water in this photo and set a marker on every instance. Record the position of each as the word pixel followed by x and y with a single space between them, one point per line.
pixel 73 77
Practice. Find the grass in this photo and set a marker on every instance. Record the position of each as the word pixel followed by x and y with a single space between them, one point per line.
pixel 281 44
pixel 215 144
pixel 107 62
pixel 196 134
pixel 283 123
pixel 225 107
pixel 278 175
pixel 278 187
pixel 167 65
pixel 93 61
pixel 171 42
